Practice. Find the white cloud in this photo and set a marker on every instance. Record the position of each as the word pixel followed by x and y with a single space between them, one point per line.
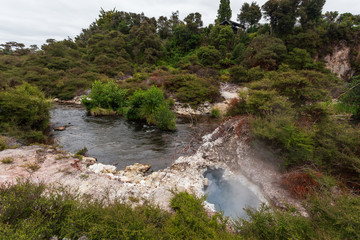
pixel 32 22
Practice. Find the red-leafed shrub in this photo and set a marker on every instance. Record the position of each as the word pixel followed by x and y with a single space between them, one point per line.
pixel 299 183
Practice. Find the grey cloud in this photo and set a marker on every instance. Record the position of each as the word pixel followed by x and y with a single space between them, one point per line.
pixel 35 21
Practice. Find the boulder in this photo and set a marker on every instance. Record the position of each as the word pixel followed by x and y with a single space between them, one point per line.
pixel 137 168
pixel 61 128
pixel 89 161
pixel 101 168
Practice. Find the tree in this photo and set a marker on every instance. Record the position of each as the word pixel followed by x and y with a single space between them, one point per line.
pixel 249 15
pixel 14 47
pixel 222 38
pixel 282 15
pixel 310 12
pixel 183 40
pixel 163 27
pixel 174 20
pixel 193 22
pixel 264 51
pixel 147 46
pixel 224 12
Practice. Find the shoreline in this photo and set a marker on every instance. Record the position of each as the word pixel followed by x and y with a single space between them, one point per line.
pixel 220 149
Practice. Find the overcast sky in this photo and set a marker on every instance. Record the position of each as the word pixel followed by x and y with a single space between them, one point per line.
pixel 32 22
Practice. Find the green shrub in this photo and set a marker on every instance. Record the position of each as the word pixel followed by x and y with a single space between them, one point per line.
pixel 150 105
pixel 215 113
pixel 239 74
pixel 265 51
pixel 255 74
pixel 208 56
pixel 191 218
pixel 164 118
pixel 153 98
pixel 267 223
pixel 191 89
pixel 105 95
pixel 24 112
pixel 336 149
pixel 299 59
pixel 279 130
pixel 3 143
pixel 135 102
pixel 238 52
pixel 82 152
pixel 138 77
pixel 351 97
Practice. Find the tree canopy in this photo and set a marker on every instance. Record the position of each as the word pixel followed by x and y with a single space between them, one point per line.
pixel 224 11
pixel 249 14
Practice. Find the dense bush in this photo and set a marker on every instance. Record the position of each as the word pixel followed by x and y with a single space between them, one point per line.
pixel 331 217
pixel 292 116
pixel 239 74
pixel 351 97
pixel 24 112
pixel 192 89
pixel 300 59
pixel 150 105
pixel 265 51
pixel 108 96
pixel 26 212
pixel 208 56
pixel 297 144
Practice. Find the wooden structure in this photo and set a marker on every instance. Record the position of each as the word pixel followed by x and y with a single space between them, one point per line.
pixel 234 25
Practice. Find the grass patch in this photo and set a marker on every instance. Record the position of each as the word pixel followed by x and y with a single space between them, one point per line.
pixel 215 113
pixel 33 167
pixel 82 152
pixel 7 160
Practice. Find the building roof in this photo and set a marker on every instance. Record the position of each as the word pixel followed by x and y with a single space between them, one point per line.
pixel 229 22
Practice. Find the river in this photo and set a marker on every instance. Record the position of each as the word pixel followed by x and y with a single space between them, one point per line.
pixel 113 140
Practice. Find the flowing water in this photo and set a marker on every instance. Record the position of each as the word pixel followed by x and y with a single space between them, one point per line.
pixel 113 140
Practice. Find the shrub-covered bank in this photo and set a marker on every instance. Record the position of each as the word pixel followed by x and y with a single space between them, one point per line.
pixel 292 111
pixel 24 113
pixel 33 211
pixel 149 105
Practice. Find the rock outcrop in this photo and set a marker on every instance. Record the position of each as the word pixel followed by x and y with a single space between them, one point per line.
pixel 339 61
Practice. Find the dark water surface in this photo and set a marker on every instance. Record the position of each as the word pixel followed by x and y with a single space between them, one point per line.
pixel 113 140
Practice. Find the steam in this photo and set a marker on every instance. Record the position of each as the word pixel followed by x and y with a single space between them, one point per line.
pixel 231 196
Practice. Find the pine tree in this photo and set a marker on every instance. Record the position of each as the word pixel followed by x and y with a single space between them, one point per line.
pixel 224 12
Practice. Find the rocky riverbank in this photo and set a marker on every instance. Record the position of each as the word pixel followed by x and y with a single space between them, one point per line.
pixel 226 148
